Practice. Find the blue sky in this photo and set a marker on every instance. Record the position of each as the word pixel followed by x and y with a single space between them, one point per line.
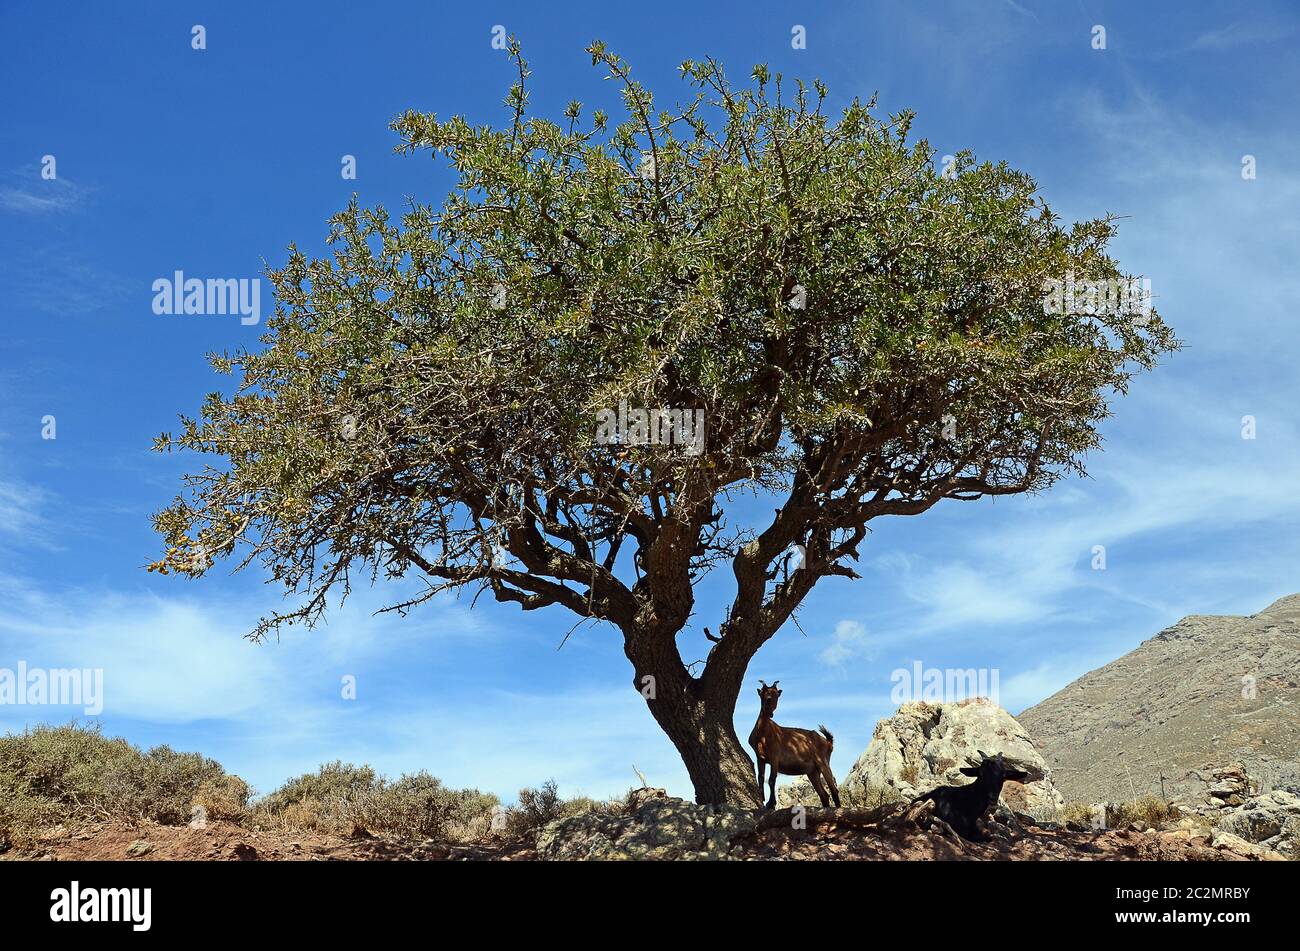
pixel 213 161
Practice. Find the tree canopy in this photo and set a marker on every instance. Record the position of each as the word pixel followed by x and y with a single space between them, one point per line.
pixel 864 333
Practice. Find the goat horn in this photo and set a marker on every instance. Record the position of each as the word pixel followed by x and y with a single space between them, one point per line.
pixel 775 682
pixel 763 683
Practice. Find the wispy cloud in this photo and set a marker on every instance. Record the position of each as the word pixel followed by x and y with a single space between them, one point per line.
pixel 20 509
pixel 1243 33
pixel 26 193
pixel 65 285
pixel 1023 11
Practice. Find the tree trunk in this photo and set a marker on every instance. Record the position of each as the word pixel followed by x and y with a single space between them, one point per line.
pixel 720 769
pixel 697 717
pixel 701 729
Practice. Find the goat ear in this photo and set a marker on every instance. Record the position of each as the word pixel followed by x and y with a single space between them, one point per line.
pixel 1016 776
pixel 969 770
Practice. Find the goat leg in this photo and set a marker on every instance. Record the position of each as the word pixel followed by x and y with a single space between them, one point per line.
pixel 815 778
pixel 949 832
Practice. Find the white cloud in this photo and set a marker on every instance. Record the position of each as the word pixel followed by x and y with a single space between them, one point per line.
pixel 846 642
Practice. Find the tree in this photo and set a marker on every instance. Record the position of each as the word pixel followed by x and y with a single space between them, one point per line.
pixel 865 336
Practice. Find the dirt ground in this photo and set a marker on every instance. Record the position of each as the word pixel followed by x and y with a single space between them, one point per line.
pixel 227 841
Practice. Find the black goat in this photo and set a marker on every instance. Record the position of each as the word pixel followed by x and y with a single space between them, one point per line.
pixel 962 807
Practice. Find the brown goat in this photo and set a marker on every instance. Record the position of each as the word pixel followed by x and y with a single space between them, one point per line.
pixel 791 751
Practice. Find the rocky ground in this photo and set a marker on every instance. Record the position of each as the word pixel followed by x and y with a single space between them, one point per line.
pixel 655 826
pixel 229 841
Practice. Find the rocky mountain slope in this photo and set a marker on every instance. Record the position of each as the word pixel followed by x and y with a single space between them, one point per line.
pixel 1208 691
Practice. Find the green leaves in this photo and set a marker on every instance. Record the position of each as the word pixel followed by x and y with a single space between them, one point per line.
pixel 814 285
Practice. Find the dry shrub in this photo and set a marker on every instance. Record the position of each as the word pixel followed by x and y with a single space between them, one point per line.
pixel 54 774
pixel 343 799
pixel 536 807
pixel 868 796
pixel 223 798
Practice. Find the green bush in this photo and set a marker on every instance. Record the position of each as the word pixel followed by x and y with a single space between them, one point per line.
pixel 54 774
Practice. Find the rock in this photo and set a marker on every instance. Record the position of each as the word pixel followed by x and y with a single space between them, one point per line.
pixel 139 847
pixel 652 825
pixel 1262 817
pixel 1231 785
pixel 1227 842
pixel 925 745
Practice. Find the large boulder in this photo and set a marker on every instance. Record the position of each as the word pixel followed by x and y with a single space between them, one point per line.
pixel 925 745
pixel 653 825
pixel 1271 818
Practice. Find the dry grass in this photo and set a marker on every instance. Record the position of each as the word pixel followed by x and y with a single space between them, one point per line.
pixel 1078 813
pixel 852 795
pixel 1147 811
